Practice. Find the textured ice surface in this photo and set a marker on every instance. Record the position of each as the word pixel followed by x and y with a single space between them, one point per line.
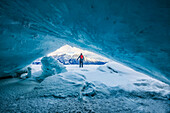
pixel 28 74
pixel 49 67
pixel 92 90
pixel 135 33
pixel 94 80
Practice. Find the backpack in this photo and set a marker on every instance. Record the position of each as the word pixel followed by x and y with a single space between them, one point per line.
pixel 81 56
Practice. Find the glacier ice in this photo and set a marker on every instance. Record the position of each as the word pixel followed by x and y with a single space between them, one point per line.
pixel 135 33
pixel 26 75
pixel 93 89
pixel 96 83
pixel 49 67
pixel 29 72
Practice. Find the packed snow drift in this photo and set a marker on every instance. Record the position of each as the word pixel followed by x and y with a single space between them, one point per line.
pixel 49 67
pixel 112 87
pixel 103 79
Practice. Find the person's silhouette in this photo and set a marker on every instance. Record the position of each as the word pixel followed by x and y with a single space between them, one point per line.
pixel 81 57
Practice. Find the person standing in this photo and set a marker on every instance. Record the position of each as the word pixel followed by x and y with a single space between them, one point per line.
pixel 81 57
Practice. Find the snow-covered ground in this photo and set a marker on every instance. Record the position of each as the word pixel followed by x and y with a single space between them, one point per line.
pixel 108 88
pixel 116 75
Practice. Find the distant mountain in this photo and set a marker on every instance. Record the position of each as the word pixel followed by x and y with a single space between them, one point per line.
pixel 68 55
pixel 68 59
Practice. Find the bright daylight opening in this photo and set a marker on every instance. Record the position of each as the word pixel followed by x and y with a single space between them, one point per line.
pixel 64 63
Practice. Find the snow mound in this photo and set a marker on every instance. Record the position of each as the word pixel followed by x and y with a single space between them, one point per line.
pixel 114 79
pixel 28 74
pixel 68 84
pixel 118 91
pixel 125 78
pixel 50 67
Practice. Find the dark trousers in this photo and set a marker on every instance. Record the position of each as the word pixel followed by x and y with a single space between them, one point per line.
pixel 81 64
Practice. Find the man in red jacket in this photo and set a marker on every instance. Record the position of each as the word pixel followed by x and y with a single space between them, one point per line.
pixel 81 60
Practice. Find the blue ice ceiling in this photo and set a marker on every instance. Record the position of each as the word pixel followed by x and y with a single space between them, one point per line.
pixel 133 32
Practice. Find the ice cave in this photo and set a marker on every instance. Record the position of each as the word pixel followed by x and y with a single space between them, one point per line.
pixel 125 43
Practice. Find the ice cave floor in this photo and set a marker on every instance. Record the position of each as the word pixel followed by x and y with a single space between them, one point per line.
pixel 107 88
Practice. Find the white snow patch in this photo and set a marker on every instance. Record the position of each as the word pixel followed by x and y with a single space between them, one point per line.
pixel 93 79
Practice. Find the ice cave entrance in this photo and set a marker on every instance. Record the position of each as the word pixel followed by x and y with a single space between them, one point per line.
pixel 67 55
pixel 62 66
pixel 62 60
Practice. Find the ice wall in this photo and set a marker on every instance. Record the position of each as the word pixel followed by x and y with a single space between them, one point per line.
pixel 134 32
